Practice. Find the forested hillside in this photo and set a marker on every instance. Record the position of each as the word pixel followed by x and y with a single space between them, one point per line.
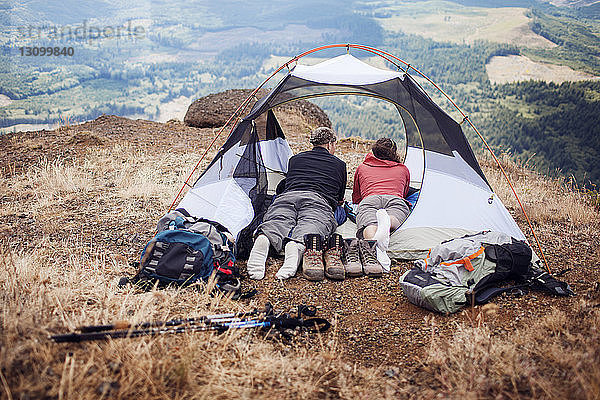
pixel 180 52
pixel 552 126
pixel 576 37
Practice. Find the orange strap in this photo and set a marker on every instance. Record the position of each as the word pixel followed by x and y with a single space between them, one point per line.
pixel 467 260
pixel 427 258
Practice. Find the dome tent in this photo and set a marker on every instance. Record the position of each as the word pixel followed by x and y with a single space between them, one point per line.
pixel 455 197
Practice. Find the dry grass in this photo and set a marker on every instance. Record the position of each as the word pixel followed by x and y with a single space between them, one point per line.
pixel 150 175
pixel 40 297
pixel 59 269
pixel 545 199
pixel 555 358
pixel 55 180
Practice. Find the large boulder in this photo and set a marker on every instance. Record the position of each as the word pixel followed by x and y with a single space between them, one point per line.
pixel 215 109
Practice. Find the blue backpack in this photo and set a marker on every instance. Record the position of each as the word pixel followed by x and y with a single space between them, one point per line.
pixel 186 250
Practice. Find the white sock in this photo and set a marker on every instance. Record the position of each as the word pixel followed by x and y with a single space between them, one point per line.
pixel 293 255
pixel 258 257
pixel 383 239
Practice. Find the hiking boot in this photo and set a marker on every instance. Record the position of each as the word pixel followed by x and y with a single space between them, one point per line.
pixel 312 263
pixel 353 265
pixel 368 254
pixel 334 268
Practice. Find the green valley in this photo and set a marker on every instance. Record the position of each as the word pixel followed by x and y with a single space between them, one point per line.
pixel 134 59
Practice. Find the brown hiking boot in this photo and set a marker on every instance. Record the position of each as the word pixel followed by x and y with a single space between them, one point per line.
pixel 312 263
pixel 353 265
pixel 334 268
pixel 368 255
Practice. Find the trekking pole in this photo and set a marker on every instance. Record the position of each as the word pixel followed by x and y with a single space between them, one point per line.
pixel 75 337
pixel 120 329
pixel 207 319
pixel 218 322
pixel 281 323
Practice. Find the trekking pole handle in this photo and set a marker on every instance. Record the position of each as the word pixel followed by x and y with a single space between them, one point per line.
pixel 314 325
pixel 309 311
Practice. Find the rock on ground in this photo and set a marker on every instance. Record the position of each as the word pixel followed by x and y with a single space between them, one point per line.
pixel 214 110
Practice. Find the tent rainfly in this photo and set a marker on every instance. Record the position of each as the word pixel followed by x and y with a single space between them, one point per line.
pixel 455 198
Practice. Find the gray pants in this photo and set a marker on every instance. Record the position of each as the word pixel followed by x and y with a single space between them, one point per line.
pixel 395 207
pixel 295 214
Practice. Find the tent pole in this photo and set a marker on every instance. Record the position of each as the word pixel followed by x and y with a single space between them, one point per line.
pixel 388 57
pixel 513 190
pixel 240 109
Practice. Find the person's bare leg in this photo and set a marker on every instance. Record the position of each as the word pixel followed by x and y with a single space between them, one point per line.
pixel 369 232
pixel 394 223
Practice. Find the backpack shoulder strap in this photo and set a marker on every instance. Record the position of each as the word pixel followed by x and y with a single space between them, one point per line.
pixel 542 280
pixel 194 219
pixel 485 295
pixel 537 280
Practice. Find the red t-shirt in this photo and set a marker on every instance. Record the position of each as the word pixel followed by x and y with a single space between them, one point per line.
pixel 375 176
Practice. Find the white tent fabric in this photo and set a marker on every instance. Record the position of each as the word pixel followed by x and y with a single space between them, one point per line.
pixel 448 202
pixel 454 196
pixel 415 163
pixel 346 69
pixel 221 197
pixel 276 154
pixel 223 201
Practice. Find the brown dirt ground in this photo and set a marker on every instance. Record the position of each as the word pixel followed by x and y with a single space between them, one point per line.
pixel 374 321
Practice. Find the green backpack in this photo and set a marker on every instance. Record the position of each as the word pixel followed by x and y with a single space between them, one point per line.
pixel 457 274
